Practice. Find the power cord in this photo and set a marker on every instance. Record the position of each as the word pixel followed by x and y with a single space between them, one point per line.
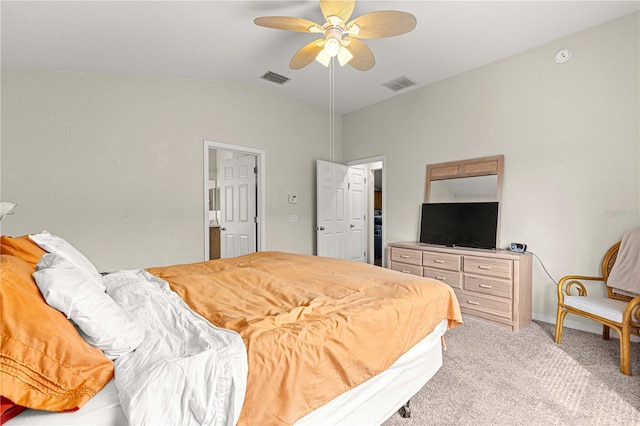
pixel 545 269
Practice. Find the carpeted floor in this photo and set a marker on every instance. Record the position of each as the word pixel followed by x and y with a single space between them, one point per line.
pixel 493 376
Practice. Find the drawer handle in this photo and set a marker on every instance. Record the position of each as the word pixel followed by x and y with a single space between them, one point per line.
pixel 438 261
pixel 484 267
pixel 404 256
pixel 471 302
pixel 405 272
pixel 441 278
pixel 485 286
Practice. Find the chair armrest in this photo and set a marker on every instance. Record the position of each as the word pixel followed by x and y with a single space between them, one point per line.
pixel 566 283
pixel 631 313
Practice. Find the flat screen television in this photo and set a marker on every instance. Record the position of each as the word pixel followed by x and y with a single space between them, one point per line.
pixel 460 224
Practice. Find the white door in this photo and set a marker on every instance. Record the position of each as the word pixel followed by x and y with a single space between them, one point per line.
pixel 357 192
pixel 341 211
pixel 238 206
pixel 332 223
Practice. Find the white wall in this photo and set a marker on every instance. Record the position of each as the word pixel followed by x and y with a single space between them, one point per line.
pixel 114 163
pixel 569 133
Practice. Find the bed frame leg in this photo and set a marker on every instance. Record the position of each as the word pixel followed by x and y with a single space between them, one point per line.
pixel 405 410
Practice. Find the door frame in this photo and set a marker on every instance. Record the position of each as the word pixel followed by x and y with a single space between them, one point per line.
pixel 260 190
pixel 367 161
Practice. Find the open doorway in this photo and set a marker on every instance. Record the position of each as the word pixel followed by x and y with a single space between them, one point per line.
pixel 375 208
pixel 377 216
pixel 234 198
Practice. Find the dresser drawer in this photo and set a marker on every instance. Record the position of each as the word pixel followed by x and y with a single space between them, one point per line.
pixel 450 262
pixel 406 268
pixel 482 303
pixel 491 285
pixel 500 268
pixel 487 286
pixel 413 257
pixel 453 279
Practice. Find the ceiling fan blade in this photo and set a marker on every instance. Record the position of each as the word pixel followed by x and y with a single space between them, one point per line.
pixel 287 23
pixel 363 59
pixel 343 9
pixel 384 23
pixel 306 55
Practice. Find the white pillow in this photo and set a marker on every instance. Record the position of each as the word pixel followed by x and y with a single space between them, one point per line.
pixel 54 244
pixel 102 322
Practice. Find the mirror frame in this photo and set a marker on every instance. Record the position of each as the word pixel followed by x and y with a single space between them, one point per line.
pixel 483 166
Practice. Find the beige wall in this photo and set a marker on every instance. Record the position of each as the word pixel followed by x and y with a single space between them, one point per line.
pixel 115 163
pixel 569 133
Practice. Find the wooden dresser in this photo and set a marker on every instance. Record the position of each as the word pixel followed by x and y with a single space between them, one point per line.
pixel 494 286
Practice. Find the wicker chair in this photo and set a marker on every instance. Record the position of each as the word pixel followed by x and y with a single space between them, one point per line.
pixel 617 311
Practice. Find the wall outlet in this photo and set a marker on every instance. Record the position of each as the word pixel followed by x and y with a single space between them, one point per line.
pixel 293 218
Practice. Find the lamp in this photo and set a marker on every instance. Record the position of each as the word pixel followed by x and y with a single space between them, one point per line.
pixel 6 208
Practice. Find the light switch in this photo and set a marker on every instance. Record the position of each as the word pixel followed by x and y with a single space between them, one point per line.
pixel 293 199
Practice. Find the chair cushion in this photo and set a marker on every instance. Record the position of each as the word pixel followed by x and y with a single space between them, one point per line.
pixel 604 307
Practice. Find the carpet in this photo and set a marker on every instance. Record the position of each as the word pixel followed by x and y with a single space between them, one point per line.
pixel 493 376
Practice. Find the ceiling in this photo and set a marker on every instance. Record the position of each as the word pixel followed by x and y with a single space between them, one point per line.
pixel 217 40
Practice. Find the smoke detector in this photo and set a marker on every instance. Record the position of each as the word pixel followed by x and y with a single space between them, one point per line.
pixel 563 55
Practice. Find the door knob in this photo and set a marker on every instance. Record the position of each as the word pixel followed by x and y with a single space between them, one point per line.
pixel 320 228
pixel 352 226
pixel 222 228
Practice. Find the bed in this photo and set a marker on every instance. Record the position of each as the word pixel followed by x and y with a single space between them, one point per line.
pixel 268 338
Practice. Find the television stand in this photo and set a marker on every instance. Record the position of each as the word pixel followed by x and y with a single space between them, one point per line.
pixel 492 285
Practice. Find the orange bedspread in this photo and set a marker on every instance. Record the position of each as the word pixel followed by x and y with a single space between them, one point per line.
pixel 314 327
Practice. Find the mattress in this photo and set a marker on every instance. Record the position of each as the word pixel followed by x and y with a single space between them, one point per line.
pixel 370 403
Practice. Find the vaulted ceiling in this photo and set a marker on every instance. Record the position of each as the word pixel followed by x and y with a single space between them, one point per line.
pixel 217 40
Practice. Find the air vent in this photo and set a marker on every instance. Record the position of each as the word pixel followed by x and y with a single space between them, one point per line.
pixel 399 83
pixel 274 78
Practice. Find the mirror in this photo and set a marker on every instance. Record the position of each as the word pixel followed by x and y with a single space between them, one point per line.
pixel 468 189
pixel 477 179
pixel 474 180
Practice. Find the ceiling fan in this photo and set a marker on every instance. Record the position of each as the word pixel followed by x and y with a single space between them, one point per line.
pixel 341 35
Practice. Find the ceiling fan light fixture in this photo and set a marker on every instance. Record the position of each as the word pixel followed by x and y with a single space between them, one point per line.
pixel 323 58
pixel 344 56
pixel 332 46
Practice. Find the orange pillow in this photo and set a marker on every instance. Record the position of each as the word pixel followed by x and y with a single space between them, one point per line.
pixel 44 363
pixel 21 247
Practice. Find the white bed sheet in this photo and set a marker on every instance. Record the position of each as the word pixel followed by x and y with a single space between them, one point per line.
pixel 371 403
pixel 103 408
